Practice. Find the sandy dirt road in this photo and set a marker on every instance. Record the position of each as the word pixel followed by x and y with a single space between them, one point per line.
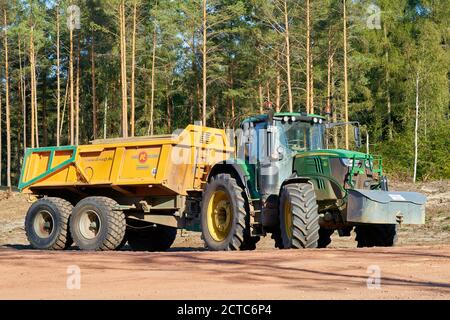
pixel 406 273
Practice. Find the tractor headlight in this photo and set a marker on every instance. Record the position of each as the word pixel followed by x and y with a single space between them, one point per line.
pixel 349 162
pixel 316 120
pixel 286 119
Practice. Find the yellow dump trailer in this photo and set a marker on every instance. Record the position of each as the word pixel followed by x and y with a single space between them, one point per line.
pixel 109 185
pixel 163 165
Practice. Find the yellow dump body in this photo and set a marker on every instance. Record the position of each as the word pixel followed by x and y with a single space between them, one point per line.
pixel 164 165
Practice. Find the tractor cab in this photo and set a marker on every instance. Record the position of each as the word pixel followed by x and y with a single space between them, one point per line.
pixel 284 145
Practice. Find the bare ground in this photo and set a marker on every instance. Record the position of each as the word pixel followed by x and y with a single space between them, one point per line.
pixel 406 273
pixel 418 268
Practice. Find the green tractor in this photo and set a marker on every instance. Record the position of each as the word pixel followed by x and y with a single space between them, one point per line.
pixel 284 181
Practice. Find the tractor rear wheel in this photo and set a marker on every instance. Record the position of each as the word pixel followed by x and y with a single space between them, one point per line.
pixel 151 238
pixel 47 224
pixel 299 217
pixel 97 225
pixel 376 235
pixel 225 216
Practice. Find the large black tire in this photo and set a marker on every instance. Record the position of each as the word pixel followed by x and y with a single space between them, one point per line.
pixel 299 218
pixel 96 225
pixel 376 235
pixel 47 224
pixel 231 213
pixel 153 238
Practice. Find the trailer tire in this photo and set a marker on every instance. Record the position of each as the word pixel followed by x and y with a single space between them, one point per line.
pixel 152 239
pixel 376 235
pixel 299 217
pixel 224 217
pixel 47 224
pixel 97 225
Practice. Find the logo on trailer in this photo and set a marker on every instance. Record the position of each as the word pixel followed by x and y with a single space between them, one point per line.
pixel 143 157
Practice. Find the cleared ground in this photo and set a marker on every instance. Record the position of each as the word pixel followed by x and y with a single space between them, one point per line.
pixel 418 268
pixel 406 273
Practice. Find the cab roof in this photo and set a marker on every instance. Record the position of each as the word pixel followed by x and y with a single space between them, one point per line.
pixel 264 117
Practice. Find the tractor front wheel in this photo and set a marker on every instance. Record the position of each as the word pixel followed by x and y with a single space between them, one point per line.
pixel 299 218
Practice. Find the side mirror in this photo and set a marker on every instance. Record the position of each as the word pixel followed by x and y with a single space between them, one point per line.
pixel 357 137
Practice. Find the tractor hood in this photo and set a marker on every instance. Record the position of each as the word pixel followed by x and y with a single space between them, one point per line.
pixel 330 169
pixel 333 153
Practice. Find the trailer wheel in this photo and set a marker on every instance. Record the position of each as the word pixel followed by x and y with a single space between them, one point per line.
pixel 224 214
pixel 96 225
pixel 299 217
pixel 376 235
pixel 47 224
pixel 153 238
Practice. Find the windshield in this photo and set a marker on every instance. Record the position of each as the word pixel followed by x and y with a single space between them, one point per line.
pixel 301 136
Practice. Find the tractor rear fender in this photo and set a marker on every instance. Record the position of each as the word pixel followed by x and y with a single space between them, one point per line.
pixel 295 180
pixel 240 171
pixel 237 171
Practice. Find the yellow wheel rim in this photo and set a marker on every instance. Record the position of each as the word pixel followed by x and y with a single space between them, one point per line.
pixel 288 223
pixel 220 216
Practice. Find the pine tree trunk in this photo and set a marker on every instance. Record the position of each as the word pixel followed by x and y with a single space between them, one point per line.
pixel 278 89
pixel 199 102
pixel 123 54
pixel 33 89
pixel 66 98
pixel 260 92
pixel 152 93
pixel 204 53
pixel 77 95
pixel 416 131
pixel 308 61
pixel 133 70
pixel 8 120
pixel 23 98
pixel 197 90
pixel 36 118
pixel 288 57
pixel 94 88
pixel 105 118
pixel 58 79
pixel 72 101
pixel 388 93
pixel 333 106
pixel 329 67
pixel 231 81
pixel 169 107
pixel 347 144
pixel 44 110
pixel 214 108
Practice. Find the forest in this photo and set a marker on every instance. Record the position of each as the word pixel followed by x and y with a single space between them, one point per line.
pixel 75 71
